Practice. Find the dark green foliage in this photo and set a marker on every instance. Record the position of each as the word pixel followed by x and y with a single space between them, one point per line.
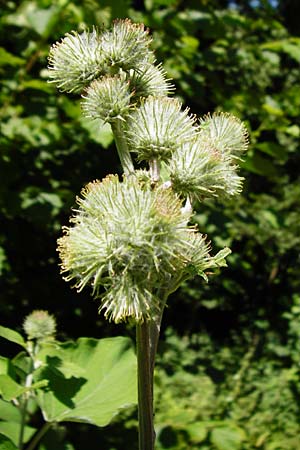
pixel 234 378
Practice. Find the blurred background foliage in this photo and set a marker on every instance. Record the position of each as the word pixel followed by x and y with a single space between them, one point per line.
pixel 228 374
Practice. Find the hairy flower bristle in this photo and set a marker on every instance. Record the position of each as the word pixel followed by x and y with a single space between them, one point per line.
pixel 39 325
pixel 150 80
pixel 227 132
pixel 158 127
pixel 206 166
pixel 199 170
pixel 107 98
pixel 126 45
pixel 76 60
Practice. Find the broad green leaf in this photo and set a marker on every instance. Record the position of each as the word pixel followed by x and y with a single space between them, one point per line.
pixel 8 59
pixel 293 130
pixel 3 260
pixel 30 15
pixel 158 3
pixel 197 432
pixel 269 218
pixel 11 431
pixel 9 412
pixel 9 372
pixel 189 46
pixel 12 336
pixel 6 443
pixel 227 438
pixel 70 369
pixel 41 198
pixel 272 108
pixel 71 108
pixel 33 129
pixel 38 85
pixel 98 131
pixel 260 165
pixel 41 19
pixel 21 364
pixel 273 149
pixel 289 46
pixel 4 363
pixel 10 389
pixel 95 395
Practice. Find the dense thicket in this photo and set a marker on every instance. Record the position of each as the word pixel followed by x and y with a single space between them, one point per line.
pixel 228 372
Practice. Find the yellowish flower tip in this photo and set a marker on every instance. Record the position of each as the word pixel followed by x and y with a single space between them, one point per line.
pixel 158 127
pixel 123 51
pixel 39 325
pixel 126 45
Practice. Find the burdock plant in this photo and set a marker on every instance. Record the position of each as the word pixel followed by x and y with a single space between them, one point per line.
pixel 130 239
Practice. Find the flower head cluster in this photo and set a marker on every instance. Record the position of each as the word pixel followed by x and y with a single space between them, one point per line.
pixel 126 241
pixel 130 240
pixel 39 325
pixel 111 67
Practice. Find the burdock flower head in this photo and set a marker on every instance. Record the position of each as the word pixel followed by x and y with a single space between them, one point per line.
pixel 150 80
pixel 207 166
pixel 127 45
pixel 128 241
pixel 76 60
pixel 108 98
pixel 114 69
pixel 39 325
pixel 158 127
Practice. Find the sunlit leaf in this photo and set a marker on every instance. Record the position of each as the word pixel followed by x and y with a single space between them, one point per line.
pixel 289 46
pixel 12 336
pixel 94 395
pixel 197 432
pixel 227 438
pixel 10 389
pixel 6 443
pixel 98 131
pixel 260 165
pixel 9 59
pixel 9 412
pixel 11 431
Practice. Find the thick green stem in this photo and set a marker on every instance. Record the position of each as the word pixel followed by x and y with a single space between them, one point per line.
pixel 145 387
pixel 23 420
pixel 36 439
pixel 147 335
pixel 122 147
pixel 28 382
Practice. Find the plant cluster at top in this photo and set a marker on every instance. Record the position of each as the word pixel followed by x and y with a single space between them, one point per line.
pixel 130 239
